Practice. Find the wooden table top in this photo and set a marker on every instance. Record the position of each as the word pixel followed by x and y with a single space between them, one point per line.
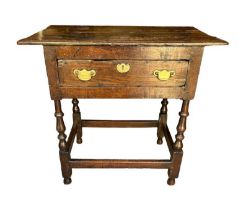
pixel 121 35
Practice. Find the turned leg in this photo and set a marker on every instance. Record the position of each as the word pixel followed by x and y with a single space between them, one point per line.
pixel 77 120
pixel 63 149
pixel 178 145
pixel 181 127
pixel 162 120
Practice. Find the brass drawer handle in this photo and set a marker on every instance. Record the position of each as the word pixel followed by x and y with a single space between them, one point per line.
pixel 164 74
pixel 123 68
pixel 84 74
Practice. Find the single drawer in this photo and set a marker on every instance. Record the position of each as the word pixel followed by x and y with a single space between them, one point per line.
pixel 124 73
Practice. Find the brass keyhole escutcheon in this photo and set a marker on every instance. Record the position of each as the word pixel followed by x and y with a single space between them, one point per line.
pixel 164 74
pixel 123 68
pixel 84 74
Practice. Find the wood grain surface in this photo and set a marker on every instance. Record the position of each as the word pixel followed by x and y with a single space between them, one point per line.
pixel 121 35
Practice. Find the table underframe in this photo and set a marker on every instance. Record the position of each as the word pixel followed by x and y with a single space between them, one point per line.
pixel 175 147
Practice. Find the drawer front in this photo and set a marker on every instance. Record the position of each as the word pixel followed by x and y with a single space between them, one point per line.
pixel 138 82
pixel 122 73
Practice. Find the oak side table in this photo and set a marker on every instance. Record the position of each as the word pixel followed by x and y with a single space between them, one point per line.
pixel 122 62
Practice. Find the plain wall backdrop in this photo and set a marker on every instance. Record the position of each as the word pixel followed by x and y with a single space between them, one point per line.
pixel 30 176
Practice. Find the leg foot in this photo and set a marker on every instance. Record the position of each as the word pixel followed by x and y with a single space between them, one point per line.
pixel 171 181
pixel 67 180
pixel 79 141
pixel 172 175
pixel 159 141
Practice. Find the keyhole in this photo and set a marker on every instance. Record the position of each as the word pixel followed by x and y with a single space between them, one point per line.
pixel 122 67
